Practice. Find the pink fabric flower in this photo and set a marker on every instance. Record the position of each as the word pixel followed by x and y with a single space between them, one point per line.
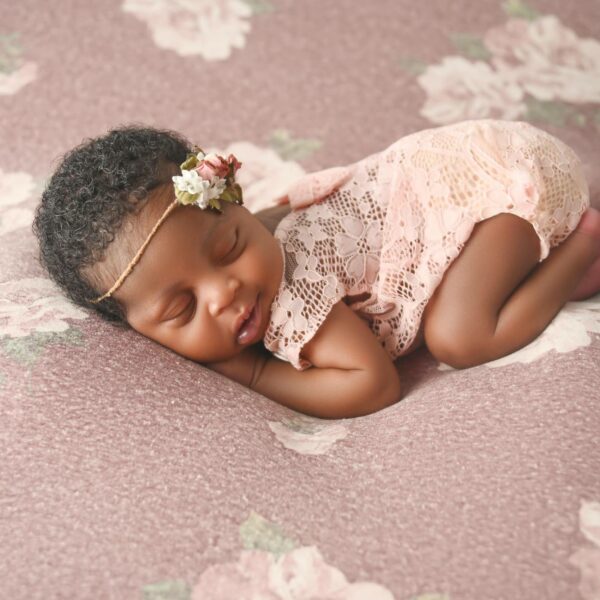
pixel 234 162
pixel 212 166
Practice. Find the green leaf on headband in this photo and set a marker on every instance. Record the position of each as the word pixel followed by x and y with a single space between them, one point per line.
pixel 214 203
pixel 232 193
pixel 190 162
pixel 186 197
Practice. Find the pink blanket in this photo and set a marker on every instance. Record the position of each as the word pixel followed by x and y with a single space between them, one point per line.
pixel 130 472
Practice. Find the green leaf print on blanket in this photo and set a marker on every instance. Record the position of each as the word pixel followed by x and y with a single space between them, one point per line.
pixel 471 46
pixel 14 71
pixel 520 10
pixel 27 350
pixel 259 534
pixel 292 149
pixel 166 590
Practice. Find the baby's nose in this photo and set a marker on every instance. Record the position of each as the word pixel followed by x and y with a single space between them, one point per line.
pixel 221 293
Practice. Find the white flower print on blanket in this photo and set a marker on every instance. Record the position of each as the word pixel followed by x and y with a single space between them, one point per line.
pixel 587 558
pixel 209 28
pixel 15 188
pixel 307 435
pixel 301 574
pixel 34 305
pixel 547 59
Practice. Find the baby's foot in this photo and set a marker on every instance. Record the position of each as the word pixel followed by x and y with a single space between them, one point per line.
pixel 590 223
pixel 590 283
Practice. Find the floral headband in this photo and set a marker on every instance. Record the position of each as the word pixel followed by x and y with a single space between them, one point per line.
pixel 205 180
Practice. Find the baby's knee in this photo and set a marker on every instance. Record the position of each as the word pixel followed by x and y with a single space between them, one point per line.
pixel 456 346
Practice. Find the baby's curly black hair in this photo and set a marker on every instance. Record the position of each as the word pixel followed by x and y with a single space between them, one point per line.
pixel 95 187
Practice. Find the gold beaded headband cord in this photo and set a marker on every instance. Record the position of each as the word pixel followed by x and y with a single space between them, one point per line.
pixel 205 180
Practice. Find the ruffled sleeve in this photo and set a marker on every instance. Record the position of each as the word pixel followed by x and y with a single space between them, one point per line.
pixel 306 295
pixel 314 187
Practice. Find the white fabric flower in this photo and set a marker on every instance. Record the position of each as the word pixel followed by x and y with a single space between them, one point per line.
pixel 202 200
pixel 189 181
pixel 216 188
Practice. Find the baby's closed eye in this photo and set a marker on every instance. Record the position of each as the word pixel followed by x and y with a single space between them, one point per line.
pixel 226 249
pixel 181 310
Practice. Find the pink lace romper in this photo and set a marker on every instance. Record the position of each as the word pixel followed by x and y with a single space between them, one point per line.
pixel 386 228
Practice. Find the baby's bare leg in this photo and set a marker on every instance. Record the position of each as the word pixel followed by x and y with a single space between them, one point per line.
pixel 496 297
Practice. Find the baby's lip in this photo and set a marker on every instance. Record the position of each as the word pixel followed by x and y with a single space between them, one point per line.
pixel 242 319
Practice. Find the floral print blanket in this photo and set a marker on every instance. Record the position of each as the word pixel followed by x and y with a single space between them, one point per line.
pixel 130 472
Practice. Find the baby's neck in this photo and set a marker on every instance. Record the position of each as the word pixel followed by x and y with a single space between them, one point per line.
pixel 270 217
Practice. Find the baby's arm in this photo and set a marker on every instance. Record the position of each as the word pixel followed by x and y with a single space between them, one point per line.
pixel 352 374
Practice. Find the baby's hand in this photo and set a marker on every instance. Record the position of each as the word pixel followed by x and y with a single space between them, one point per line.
pixel 242 367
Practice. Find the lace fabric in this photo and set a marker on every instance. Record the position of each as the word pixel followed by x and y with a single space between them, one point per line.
pixel 384 238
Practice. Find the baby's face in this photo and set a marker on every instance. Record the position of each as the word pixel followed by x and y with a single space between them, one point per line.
pixel 205 284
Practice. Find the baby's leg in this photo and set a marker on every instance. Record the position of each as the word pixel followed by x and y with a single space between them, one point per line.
pixel 496 297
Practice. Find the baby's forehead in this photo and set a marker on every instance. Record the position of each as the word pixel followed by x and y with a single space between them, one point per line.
pixel 183 221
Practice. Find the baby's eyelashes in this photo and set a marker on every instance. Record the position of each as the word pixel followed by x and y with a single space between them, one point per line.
pixel 179 310
pixel 226 251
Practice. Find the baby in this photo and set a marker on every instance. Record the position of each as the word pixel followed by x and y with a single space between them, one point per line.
pixel 467 238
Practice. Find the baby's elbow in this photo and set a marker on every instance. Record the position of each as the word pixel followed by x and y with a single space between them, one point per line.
pixel 391 392
pixel 379 393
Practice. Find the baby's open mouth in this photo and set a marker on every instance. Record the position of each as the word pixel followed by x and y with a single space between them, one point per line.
pixel 249 329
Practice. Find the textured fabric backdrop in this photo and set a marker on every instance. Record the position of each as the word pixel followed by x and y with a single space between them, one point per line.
pixel 129 472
